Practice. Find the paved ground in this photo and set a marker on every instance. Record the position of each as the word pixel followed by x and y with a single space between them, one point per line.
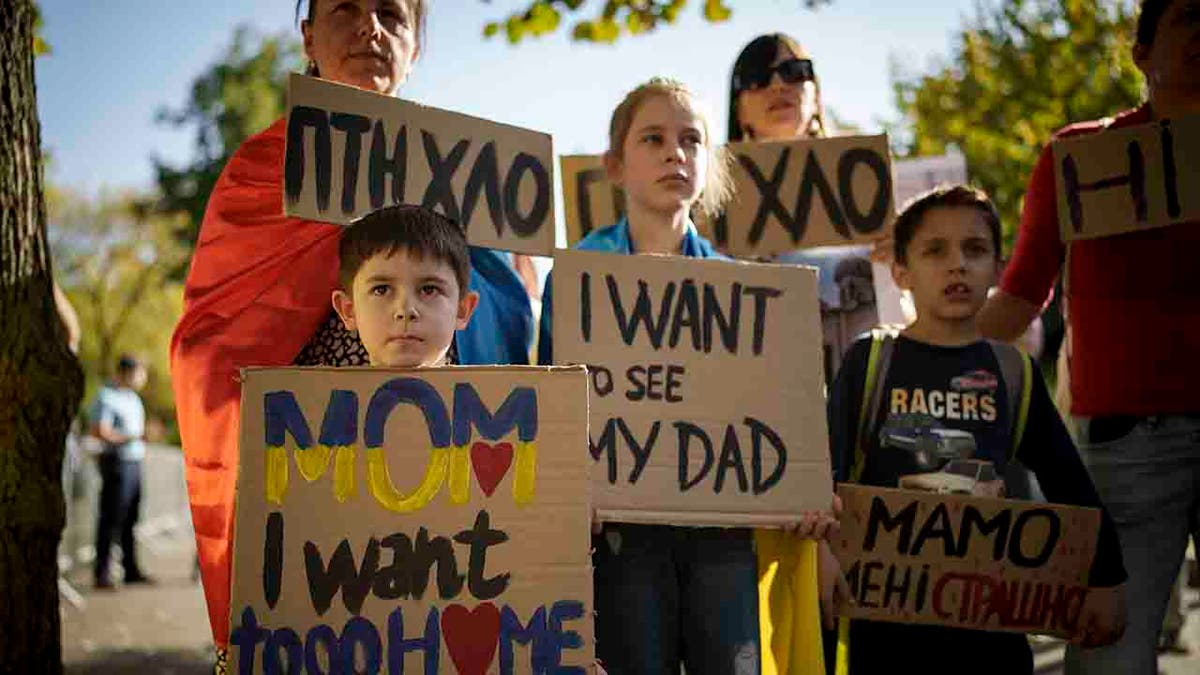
pixel 163 629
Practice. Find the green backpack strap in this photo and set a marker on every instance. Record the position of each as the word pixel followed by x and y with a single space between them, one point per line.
pixel 1017 370
pixel 883 343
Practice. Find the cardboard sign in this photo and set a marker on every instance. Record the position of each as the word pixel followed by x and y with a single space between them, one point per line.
pixel 414 521
pixel 970 562
pixel 787 195
pixel 1126 180
pixel 707 405
pixel 915 175
pixel 590 199
pixel 351 151
pixel 799 194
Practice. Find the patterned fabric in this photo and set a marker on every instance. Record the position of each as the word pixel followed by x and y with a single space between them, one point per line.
pixel 333 345
pixel 222 665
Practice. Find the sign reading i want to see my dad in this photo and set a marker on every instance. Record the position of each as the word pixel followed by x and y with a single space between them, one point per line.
pixel 1130 179
pixel 351 151
pixel 970 562
pixel 707 405
pixel 421 521
pixel 787 195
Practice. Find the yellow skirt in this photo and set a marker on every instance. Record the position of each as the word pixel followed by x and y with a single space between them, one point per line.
pixel 789 613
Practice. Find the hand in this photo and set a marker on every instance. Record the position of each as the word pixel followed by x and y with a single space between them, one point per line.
pixel 1102 618
pixel 883 249
pixel 835 592
pixel 820 524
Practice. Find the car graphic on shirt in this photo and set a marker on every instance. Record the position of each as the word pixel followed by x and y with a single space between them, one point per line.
pixel 976 380
pixel 975 477
pixel 931 447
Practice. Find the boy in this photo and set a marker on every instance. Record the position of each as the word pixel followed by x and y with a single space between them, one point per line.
pixel 943 376
pixel 404 274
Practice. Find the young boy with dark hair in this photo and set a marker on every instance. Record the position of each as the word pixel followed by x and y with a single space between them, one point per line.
pixel 940 374
pixel 404 275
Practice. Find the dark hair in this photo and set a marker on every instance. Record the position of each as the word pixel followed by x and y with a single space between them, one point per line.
pixel 417 230
pixel 127 363
pixel 757 55
pixel 1148 19
pixel 419 9
pixel 942 197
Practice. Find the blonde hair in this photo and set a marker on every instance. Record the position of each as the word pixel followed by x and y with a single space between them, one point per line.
pixel 718 183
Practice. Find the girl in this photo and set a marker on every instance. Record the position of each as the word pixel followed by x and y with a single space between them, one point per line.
pixel 667 595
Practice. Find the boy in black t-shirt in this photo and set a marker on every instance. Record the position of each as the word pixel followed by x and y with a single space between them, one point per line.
pixel 945 386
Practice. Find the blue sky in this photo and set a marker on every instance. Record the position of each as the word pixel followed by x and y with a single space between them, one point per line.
pixel 115 63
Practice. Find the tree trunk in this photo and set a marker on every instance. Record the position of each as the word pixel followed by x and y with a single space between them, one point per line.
pixel 40 381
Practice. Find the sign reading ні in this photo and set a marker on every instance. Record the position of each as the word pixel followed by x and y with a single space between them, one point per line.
pixel 1129 179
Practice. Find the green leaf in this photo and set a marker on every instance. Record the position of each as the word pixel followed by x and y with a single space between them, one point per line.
pixel 491 29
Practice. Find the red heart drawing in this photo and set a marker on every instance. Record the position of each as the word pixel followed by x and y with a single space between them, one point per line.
pixel 491 462
pixel 471 637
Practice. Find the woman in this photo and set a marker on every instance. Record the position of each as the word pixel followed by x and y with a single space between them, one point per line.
pixel 774 95
pixel 259 285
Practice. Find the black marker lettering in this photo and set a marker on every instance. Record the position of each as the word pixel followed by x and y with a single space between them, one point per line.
pixel 485 177
pixel 731 457
pixel 1135 179
pixel 873 219
pixel 301 118
pixel 479 538
pixel 440 191
pixel 687 431
pixel 526 225
pixel 381 166
pixel 272 576
pixel 354 126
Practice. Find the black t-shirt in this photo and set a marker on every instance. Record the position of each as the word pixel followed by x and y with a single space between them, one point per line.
pixel 944 392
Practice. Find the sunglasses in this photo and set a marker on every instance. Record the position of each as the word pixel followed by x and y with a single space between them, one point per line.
pixel 792 71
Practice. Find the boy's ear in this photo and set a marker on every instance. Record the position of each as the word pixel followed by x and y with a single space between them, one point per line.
pixel 466 307
pixel 343 304
pixel 612 167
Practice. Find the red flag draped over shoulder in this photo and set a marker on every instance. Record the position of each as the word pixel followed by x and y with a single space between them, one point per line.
pixel 258 288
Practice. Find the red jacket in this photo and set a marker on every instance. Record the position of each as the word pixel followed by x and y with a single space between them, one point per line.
pixel 258 288
pixel 1131 299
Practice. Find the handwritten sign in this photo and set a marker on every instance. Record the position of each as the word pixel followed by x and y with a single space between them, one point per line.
pixel 1130 179
pixel 804 193
pixel 787 195
pixel 970 562
pixel 412 521
pixel 590 200
pixel 707 401
pixel 350 152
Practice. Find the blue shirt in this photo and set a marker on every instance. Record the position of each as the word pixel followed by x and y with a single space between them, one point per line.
pixel 613 239
pixel 121 409
pixel 501 330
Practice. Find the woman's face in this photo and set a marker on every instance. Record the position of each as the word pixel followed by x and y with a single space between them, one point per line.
pixel 778 111
pixel 369 44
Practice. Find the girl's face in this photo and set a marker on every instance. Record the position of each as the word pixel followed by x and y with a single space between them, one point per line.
pixel 369 44
pixel 664 159
pixel 780 110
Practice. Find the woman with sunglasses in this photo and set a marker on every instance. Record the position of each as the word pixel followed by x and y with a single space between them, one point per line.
pixel 257 293
pixel 774 95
